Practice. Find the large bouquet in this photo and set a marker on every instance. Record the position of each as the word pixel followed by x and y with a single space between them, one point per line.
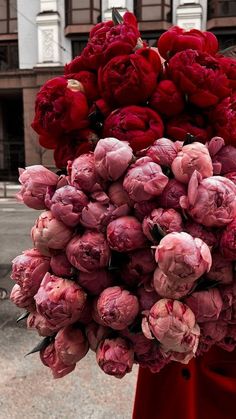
pixel 133 254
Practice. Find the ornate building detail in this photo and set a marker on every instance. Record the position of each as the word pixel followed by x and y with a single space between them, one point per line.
pixel 47 40
pixel 190 14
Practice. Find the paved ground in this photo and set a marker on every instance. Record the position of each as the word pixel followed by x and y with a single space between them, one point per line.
pixel 27 390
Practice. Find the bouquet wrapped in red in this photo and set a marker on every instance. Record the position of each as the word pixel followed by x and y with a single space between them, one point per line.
pixel 133 255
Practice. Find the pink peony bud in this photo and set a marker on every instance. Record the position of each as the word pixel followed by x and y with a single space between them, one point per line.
pixel 167 99
pixel 38 322
pixel 115 357
pixel 70 345
pixel 160 222
pixel 225 159
pixel 144 208
pixel 50 358
pixel 95 333
pixel 228 294
pixel 61 266
pixel 117 307
pixel 221 269
pixel 164 151
pixel 125 234
pixel 228 343
pixel 22 300
pixel 228 241
pixel 174 326
pixel 86 314
pixel 153 358
pixel 192 157
pixel 146 352
pixel 28 270
pixel 147 297
pixel 88 252
pixel 214 330
pixel 211 201
pixel 168 288
pixel 182 257
pixel 197 230
pixel 140 264
pixel 59 300
pixel 118 195
pixel 112 158
pixel 49 233
pixel 215 145
pixel 96 281
pixel 95 315
pixel 206 305
pixel 82 172
pixel 231 176
pixel 144 180
pixel 35 180
pixel 67 204
pixel 97 216
pixel 170 197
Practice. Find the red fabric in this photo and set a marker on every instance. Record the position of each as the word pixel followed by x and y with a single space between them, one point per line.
pixel 203 389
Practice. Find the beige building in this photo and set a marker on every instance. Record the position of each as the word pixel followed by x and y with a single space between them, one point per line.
pixel 37 37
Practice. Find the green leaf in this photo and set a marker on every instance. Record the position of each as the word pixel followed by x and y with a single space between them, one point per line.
pixel 116 16
pixel 41 345
pixel 22 316
pixel 189 139
pixel 157 233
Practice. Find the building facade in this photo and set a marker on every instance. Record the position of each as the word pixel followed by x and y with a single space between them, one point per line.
pixel 38 37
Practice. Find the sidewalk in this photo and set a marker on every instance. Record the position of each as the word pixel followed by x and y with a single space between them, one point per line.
pixel 8 189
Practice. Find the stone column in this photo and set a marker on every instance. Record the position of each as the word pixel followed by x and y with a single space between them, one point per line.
pixel 190 14
pixel 34 153
pixel 48 24
pixel 121 5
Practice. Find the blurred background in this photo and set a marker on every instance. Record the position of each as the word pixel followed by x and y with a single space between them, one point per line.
pixel 37 37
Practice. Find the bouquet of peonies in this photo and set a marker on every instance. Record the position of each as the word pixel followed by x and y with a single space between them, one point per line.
pixel 133 254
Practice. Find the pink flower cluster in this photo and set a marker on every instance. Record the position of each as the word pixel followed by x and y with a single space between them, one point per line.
pixel 133 255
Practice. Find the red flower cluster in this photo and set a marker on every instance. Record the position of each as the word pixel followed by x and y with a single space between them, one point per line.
pixel 119 87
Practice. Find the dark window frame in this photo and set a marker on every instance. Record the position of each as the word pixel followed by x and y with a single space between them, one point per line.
pixel 11 63
pixel 69 12
pixel 8 19
pixel 215 9
pixel 138 6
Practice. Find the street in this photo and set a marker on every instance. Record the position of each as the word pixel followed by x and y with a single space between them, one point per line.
pixel 27 389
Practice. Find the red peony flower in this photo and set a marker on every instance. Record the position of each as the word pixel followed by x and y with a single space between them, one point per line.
pixel 223 119
pixel 138 125
pixel 88 81
pixel 129 79
pixel 60 108
pixel 72 146
pixel 106 40
pixel 179 126
pixel 176 39
pixel 229 67
pixel 167 99
pixel 200 76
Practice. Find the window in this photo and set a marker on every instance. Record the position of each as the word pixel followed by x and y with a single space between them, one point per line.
pixel 82 11
pixel 152 10
pixel 78 46
pixel 8 56
pixel 8 16
pixel 221 8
